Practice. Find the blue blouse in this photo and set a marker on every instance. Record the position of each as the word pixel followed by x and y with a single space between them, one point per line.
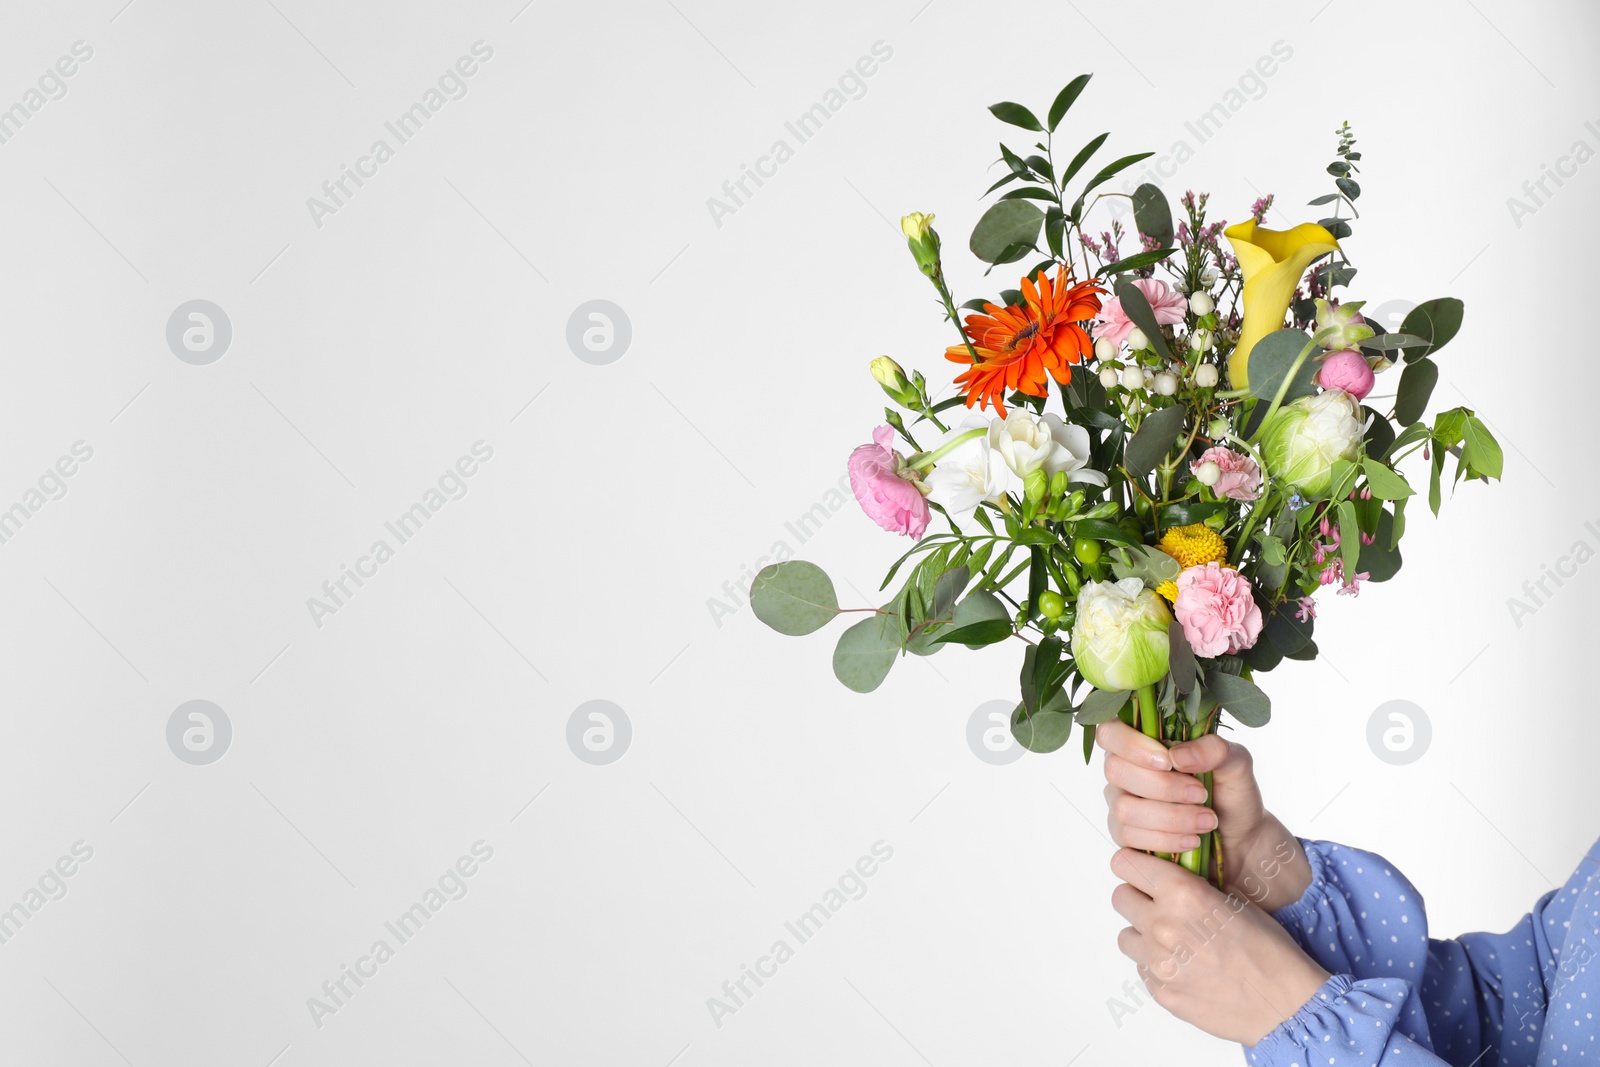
pixel 1398 998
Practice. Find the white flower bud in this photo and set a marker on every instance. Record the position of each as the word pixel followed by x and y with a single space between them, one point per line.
pixel 1133 378
pixel 1165 383
pixel 1208 472
pixel 1208 277
pixel 1110 376
pixel 1200 340
pixel 1137 339
pixel 1202 304
pixel 1205 375
pixel 1104 349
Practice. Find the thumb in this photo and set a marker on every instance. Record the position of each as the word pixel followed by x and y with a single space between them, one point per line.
pixel 1229 762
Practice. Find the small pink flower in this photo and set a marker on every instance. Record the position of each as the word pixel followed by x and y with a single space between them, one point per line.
pixel 1347 370
pixel 1218 610
pixel 1240 478
pixel 1307 609
pixel 1168 305
pixel 887 488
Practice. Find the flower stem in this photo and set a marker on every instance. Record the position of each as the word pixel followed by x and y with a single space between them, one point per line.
pixel 928 459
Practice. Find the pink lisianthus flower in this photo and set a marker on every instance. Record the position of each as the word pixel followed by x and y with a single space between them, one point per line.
pixel 1240 478
pixel 887 489
pixel 1168 305
pixel 1218 610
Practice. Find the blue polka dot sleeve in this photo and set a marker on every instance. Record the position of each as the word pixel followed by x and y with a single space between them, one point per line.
pixel 1397 997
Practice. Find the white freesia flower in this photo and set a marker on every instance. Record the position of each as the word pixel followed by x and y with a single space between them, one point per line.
pixel 970 473
pixel 1028 442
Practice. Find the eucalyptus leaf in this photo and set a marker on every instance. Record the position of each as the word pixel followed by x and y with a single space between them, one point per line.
pixel 1271 359
pixel 1180 657
pixel 1240 698
pixel 1137 308
pixel 1003 227
pixel 793 597
pixel 980 608
pixel 1155 438
pixel 1102 705
pixel 1046 729
pixel 866 652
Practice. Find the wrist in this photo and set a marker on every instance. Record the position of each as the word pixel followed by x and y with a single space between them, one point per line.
pixel 1270 869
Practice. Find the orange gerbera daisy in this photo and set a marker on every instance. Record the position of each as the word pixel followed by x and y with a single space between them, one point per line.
pixel 1018 345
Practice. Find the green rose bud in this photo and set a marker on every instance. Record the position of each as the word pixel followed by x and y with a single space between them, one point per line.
pixel 1120 638
pixel 1305 439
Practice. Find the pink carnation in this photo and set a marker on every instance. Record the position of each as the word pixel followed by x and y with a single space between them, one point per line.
pixel 1218 610
pixel 1168 305
pixel 891 500
pixel 1240 478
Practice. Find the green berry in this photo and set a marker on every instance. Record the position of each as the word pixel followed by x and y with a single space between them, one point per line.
pixel 1052 604
pixel 1087 550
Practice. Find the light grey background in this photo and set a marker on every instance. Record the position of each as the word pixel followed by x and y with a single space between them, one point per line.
pixel 431 711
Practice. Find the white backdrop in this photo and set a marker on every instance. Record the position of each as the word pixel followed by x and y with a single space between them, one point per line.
pixel 382 345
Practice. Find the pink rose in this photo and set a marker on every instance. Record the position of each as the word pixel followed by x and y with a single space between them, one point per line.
pixel 889 497
pixel 1240 478
pixel 1168 305
pixel 1347 370
pixel 1217 609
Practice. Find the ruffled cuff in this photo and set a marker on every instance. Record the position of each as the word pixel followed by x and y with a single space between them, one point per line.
pixel 1344 1021
pixel 1293 916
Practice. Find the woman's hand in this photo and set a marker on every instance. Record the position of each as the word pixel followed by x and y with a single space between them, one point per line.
pixel 1217 962
pixel 1155 803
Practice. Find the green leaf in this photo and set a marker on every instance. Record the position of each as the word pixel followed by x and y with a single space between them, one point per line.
pixel 1083 157
pixel 1187 512
pixel 866 652
pixel 1348 187
pixel 1046 729
pixel 1349 538
pixel 948 590
pixel 1386 342
pixel 1380 433
pixel 1152 214
pixel 977 634
pixel 1283 631
pixel 1417 431
pixel 1381 559
pixel 1240 697
pixel 1156 436
pixel 1434 494
pixel 1270 361
pixel 1398 525
pixel 1102 705
pixel 1385 482
pixel 1435 321
pixel 793 597
pixel 1136 262
pixel 1480 449
pixel 1137 308
pixel 1065 99
pixel 1004 226
pixel 1101 530
pixel 1015 114
pixel 1416 386
pixel 1030 192
pixel 979 607
pixel 1180 657
pixel 1111 170
pixel 1272 550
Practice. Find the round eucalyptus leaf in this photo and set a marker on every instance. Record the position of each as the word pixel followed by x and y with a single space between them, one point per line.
pixel 866 652
pixel 793 597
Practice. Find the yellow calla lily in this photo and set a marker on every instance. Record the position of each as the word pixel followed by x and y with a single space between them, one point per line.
pixel 1272 263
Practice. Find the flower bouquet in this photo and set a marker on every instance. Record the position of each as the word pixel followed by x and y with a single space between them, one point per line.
pixel 1215 457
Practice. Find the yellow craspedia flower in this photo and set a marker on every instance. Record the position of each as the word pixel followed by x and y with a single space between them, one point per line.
pixel 1169 589
pixel 1194 546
